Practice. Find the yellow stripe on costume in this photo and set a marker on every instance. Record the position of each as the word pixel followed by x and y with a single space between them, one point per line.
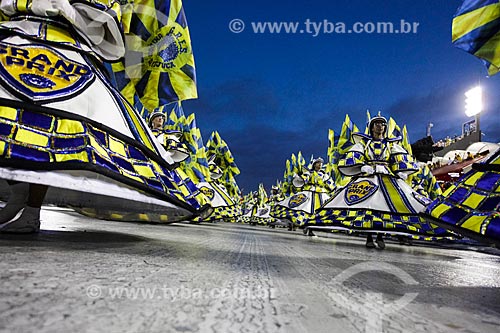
pixel 31 138
pixel 2 147
pixel 474 223
pixel 67 126
pixel 439 210
pixel 145 171
pixel 8 113
pixel 395 196
pixel 117 147
pixel 474 200
pixel 22 5
pixel 81 156
pixel 472 180
pixel 317 201
pixel 103 152
pixel 466 23
pixel 145 139
pixel 58 35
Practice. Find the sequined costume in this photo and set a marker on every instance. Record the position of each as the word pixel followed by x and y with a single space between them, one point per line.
pixel 170 140
pixel 471 206
pixel 224 207
pixel 62 124
pixel 315 187
pixel 377 198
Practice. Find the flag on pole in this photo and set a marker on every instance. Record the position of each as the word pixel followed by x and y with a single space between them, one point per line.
pixel 476 30
pixel 368 118
pixel 345 139
pixel 159 63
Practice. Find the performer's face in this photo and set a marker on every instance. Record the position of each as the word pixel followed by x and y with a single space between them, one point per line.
pixel 378 129
pixel 157 122
pixel 317 166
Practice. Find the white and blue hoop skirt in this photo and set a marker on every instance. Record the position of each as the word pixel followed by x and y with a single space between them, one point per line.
pixel 63 125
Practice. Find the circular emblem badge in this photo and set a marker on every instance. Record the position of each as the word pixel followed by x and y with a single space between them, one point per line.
pixel 208 192
pixel 41 73
pixel 297 200
pixel 168 48
pixel 359 191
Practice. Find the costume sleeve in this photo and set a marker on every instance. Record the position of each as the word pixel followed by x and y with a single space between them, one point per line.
pixel 353 160
pixel 402 162
pixel 96 22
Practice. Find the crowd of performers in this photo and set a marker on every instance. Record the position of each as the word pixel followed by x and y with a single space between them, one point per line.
pixel 74 133
pixel 373 186
pixel 79 128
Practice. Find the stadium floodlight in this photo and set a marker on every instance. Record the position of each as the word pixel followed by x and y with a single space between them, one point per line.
pixel 473 101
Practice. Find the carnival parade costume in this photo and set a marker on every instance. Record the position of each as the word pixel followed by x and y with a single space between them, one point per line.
pixel 314 187
pixel 225 207
pixel 170 139
pixel 250 206
pixel 471 206
pixel 62 124
pixel 377 198
pixel 260 213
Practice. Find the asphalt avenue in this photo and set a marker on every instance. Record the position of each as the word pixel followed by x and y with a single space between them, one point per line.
pixel 85 275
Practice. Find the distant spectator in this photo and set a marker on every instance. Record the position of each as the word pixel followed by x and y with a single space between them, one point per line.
pixel 457 158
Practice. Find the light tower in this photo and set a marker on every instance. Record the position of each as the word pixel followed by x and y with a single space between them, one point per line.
pixel 474 105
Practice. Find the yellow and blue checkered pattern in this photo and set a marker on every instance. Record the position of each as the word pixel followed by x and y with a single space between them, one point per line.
pixel 225 213
pixel 360 220
pixel 297 217
pixel 41 140
pixel 473 203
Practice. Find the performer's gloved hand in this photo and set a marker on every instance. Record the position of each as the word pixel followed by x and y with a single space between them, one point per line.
pixel 381 169
pixel 403 176
pixel 368 169
pixel 298 181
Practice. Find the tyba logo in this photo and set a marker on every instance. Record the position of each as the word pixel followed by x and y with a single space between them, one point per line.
pixel 40 73
pixel 297 200
pixel 208 192
pixel 359 191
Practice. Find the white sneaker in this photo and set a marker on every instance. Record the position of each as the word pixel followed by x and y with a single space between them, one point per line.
pixel 27 223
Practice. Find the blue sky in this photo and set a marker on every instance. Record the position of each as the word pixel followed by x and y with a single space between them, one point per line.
pixel 270 95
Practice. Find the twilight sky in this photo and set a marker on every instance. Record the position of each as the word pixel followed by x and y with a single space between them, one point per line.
pixel 271 95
